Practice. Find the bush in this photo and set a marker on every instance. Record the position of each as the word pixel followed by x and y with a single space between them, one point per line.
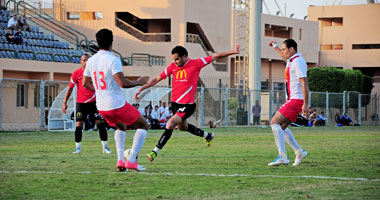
pixel 331 79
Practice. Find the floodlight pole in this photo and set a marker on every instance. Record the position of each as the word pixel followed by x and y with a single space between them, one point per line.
pixel 254 71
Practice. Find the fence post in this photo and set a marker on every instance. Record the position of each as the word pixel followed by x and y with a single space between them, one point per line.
pixel 202 107
pixel 344 102
pixel 249 107
pixel 309 99
pixel 360 109
pixel 377 109
pixel 42 104
pixel 226 107
pixel 327 108
pixel 270 105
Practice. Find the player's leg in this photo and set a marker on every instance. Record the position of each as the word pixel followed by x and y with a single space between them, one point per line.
pixel 298 151
pixel 79 116
pixel 170 125
pixel 101 128
pixel 278 134
pixel 184 126
pixel 138 141
pixel 119 143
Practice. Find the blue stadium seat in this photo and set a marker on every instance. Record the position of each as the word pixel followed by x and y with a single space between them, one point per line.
pixel 22 55
pixel 32 28
pixel 49 58
pixel 52 37
pixel 31 56
pixel 33 48
pixel 44 57
pixel 1 55
pixel 1 32
pixel 11 46
pixel 37 29
pixel 29 48
pixel 6 45
pixel 3 39
pixel 43 43
pixel 2 46
pixel 9 54
pixel 4 54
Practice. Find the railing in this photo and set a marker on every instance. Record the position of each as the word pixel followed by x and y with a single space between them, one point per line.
pixel 45 20
pixel 145 37
pixel 194 38
pixel 142 59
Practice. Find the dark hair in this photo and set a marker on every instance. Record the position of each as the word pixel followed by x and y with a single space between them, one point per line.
pixel 180 50
pixel 104 38
pixel 290 43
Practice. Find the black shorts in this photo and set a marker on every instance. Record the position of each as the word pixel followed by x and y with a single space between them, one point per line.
pixel 84 109
pixel 183 110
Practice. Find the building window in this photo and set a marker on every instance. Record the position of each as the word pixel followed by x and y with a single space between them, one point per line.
pixel 84 15
pixel 336 21
pixel 21 95
pixel 37 96
pixel 50 94
pixel 278 31
pixel 264 85
pixel 325 47
pixel 366 46
pixel 300 33
pixel 278 86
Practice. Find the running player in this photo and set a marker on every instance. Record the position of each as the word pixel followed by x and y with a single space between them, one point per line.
pixel 105 71
pixel 185 73
pixel 85 105
pixel 297 92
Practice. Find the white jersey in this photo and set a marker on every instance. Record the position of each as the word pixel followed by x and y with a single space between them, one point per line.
pixel 101 67
pixel 295 69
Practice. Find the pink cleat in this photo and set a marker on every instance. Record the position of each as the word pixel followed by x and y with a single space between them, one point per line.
pixel 120 166
pixel 134 166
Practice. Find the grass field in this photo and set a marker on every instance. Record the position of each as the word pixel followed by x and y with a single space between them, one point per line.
pixel 343 163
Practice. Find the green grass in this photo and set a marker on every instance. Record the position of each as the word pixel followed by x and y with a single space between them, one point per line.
pixel 27 158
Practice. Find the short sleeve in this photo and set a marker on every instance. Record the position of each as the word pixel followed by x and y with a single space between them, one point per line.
pixel 204 61
pixel 300 68
pixel 167 72
pixel 87 71
pixel 116 66
pixel 72 81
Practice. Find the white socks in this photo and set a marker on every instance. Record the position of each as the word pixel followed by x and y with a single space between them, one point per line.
pixel 119 141
pixel 278 134
pixel 289 138
pixel 78 145
pixel 138 142
pixel 205 134
pixel 104 143
pixel 156 149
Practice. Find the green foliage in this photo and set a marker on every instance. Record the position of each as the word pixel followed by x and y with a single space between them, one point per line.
pixel 332 79
pixel 232 103
pixel 40 165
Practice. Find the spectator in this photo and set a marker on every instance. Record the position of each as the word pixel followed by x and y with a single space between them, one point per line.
pixel 256 110
pixel 337 119
pixel 163 109
pixel 313 118
pixel 310 110
pixel 166 115
pixel 20 23
pixel 12 23
pixel 155 118
pixel 25 24
pixel 149 105
pixel 321 119
pixel 12 38
pixel 21 36
pixel 346 120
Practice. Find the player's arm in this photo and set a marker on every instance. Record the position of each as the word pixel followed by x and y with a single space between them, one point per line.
pixel 147 85
pixel 227 53
pixel 125 83
pixel 86 82
pixel 305 89
pixel 67 96
pixel 277 49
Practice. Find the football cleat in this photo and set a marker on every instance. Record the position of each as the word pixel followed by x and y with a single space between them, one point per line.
pixel 106 150
pixel 299 158
pixel 279 161
pixel 77 151
pixel 120 166
pixel 209 138
pixel 134 166
pixel 151 156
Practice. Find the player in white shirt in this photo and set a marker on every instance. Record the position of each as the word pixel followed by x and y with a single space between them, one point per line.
pixel 104 69
pixel 297 92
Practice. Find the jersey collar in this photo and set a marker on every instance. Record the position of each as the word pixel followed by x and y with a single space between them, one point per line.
pixel 295 55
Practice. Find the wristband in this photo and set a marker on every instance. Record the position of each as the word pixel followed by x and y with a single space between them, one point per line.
pixel 274 45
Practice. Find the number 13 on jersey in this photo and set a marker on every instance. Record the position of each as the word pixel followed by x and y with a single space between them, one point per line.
pixel 103 84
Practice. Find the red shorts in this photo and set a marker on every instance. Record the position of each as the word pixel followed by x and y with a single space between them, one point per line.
pixel 291 109
pixel 126 114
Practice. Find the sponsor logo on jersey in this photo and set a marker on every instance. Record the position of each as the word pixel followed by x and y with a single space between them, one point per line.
pixel 181 75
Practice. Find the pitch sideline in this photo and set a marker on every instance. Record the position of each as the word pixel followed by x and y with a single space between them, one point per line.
pixel 202 174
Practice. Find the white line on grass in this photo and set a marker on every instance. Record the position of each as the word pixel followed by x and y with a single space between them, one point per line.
pixel 202 174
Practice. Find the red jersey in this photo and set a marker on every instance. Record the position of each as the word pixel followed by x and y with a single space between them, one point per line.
pixel 185 79
pixel 84 95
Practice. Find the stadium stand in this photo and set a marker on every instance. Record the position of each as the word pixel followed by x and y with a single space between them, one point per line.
pixel 38 45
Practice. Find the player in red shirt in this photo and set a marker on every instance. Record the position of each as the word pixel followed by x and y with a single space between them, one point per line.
pixel 185 73
pixel 85 105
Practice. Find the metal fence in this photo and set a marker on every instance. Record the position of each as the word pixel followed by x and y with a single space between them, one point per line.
pixel 26 103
